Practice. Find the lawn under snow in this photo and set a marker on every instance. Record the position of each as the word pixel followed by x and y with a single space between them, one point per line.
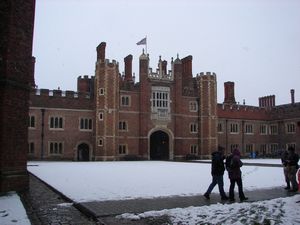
pixel 100 181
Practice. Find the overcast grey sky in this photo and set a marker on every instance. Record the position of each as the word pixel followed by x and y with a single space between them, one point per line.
pixel 255 43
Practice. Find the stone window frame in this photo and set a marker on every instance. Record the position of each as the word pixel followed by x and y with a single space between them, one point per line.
pixel 85 124
pixel 249 128
pixel 193 128
pixel 53 151
pixel 123 125
pixel 101 91
pixel 263 149
pixel 220 127
pixel 31 147
pixel 194 149
pixel 56 122
pixel 249 147
pixel 100 142
pixel 273 129
pixel 273 147
pixel 234 128
pixel 122 149
pixel 101 116
pixel 160 99
pixel 32 121
pixel 193 106
pixel 263 129
pixel 290 128
pixel 292 144
pixel 125 100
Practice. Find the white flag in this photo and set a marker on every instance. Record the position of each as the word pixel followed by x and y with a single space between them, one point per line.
pixel 142 42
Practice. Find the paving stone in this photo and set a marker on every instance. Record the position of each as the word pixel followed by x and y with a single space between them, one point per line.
pixel 42 206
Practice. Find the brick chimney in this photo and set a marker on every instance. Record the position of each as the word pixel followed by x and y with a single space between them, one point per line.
pixel 267 101
pixel 164 67
pixel 101 51
pixel 229 93
pixel 292 96
pixel 128 68
pixel 187 66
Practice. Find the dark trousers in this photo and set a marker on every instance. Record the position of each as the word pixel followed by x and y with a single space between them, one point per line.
pixel 217 179
pixel 240 187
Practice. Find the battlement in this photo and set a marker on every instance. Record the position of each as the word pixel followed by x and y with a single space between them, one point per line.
pixel 60 94
pixel 161 72
pixel 85 77
pixel 206 74
pixel 159 75
pixel 237 111
pixel 112 63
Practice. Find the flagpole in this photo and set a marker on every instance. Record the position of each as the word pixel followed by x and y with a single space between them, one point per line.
pixel 146 44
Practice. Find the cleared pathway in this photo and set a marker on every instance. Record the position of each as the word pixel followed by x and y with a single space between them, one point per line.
pixel 109 208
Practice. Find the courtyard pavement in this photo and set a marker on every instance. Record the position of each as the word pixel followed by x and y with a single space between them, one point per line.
pixel 108 208
pixel 46 206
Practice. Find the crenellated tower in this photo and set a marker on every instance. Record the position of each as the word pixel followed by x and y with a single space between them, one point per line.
pixel 207 113
pixel 106 106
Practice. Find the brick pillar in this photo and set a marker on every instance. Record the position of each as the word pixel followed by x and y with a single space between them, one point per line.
pixel 16 79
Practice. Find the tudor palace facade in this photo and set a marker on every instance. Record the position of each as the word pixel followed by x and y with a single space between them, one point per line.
pixel 167 115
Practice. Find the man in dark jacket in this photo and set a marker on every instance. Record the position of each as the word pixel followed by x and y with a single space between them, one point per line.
pixel 217 172
pixel 284 162
pixel 235 174
pixel 292 167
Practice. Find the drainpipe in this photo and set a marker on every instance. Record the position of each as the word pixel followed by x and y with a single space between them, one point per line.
pixel 226 136
pixel 42 133
pixel 243 136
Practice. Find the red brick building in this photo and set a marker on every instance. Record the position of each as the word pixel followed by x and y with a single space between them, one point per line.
pixel 169 114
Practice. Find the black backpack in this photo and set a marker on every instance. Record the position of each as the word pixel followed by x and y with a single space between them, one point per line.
pixel 228 163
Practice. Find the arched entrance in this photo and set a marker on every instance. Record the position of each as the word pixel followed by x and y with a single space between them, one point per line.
pixel 159 146
pixel 83 152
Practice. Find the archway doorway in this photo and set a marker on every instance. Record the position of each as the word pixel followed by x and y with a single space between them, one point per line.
pixel 159 146
pixel 83 152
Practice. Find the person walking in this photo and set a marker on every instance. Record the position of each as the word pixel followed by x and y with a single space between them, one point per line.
pixel 284 158
pixel 292 167
pixel 217 172
pixel 233 165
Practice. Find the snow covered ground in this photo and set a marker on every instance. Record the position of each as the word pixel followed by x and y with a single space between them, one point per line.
pixel 283 211
pixel 100 181
pixel 12 211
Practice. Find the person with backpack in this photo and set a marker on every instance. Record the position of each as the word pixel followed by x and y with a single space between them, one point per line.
pixel 233 165
pixel 292 167
pixel 217 172
pixel 284 162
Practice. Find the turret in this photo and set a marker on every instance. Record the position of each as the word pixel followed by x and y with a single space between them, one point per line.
pixel 144 65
